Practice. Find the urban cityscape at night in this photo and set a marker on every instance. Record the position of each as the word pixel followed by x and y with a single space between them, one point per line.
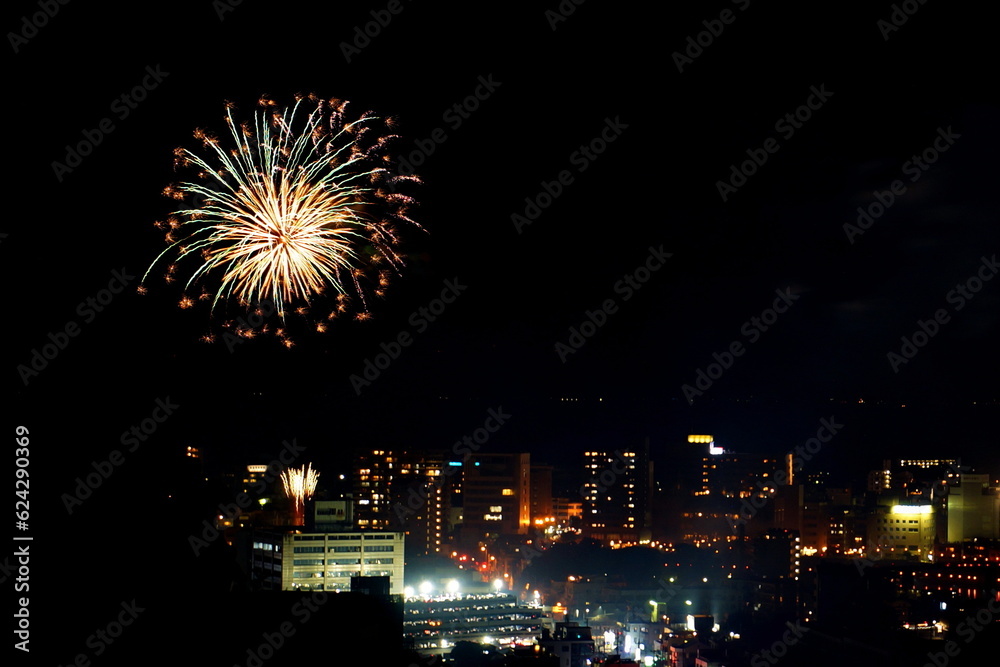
pixel 561 335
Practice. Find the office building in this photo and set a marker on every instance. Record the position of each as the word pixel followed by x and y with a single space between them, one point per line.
pixel 496 496
pixel 900 531
pixel 973 509
pixel 295 561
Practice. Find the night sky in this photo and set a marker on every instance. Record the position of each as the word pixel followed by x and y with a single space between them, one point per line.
pixel 678 133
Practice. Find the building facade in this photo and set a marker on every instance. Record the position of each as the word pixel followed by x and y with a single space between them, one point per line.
pixel 496 496
pixel 295 561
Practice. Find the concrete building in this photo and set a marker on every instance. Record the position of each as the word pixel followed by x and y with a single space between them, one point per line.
pixel 567 510
pixel 496 496
pixel 973 509
pixel 294 561
pixel 434 625
pixel 571 643
pixel 902 530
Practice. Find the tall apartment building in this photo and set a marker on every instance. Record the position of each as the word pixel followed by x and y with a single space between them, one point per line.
pixel 420 497
pixel 373 474
pixel 617 494
pixel 403 491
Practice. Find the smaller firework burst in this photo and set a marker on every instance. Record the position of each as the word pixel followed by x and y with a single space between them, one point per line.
pixel 300 485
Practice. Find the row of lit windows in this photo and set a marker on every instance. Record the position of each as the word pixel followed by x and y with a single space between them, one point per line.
pixel 342 561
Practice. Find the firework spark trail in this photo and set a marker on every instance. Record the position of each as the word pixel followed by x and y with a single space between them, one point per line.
pixel 292 209
pixel 299 484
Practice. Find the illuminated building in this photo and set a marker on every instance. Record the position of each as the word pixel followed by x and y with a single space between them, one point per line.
pixel 777 554
pixel 252 480
pixel 294 561
pixel 571 643
pixel 420 494
pixel 973 509
pixel 824 517
pixel 617 494
pixel 928 463
pixel 565 510
pixel 332 515
pixel 407 491
pixel 435 624
pixel 880 480
pixel 373 473
pixel 496 495
pixel 734 475
pixel 902 530
pixel 542 511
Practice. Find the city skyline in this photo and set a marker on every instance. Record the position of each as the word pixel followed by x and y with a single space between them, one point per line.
pixel 775 227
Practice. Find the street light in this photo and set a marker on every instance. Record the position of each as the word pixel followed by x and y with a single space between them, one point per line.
pixel 498 584
pixel 425 588
pixel 453 587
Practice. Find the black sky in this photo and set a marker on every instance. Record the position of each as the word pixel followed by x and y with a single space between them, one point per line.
pixel 656 184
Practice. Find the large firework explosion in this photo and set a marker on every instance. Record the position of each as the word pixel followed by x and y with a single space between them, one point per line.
pixel 299 485
pixel 301 202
